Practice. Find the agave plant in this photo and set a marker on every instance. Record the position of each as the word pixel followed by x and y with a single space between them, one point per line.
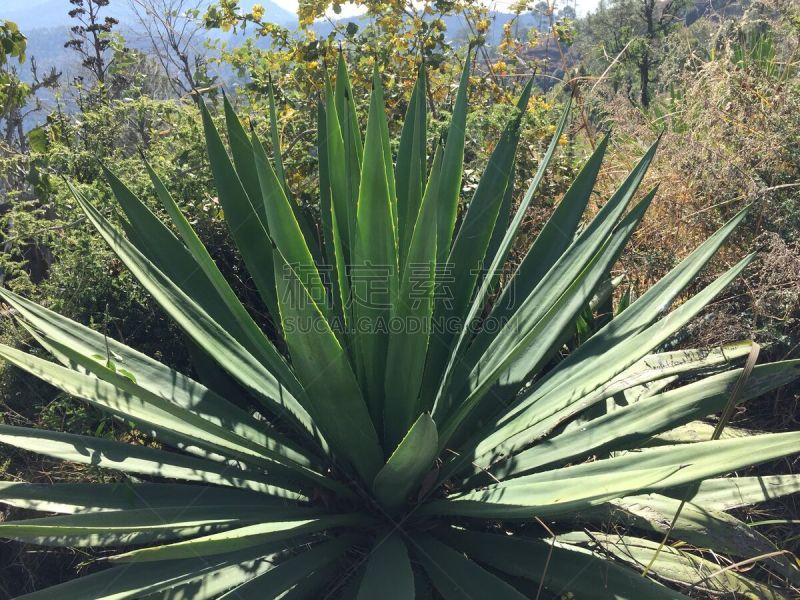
pixel 413 427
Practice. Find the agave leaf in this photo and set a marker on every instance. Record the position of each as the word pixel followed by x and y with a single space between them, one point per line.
pixel 532 331
pixel 452 168
pixel 119 395
pixel 696 431
pixel 251 336
pixel 186 426
pixel 457 577
pixel 388 574
pixel 639 315
pixel 519 499
pixel 198 578
pixel 696 525
pixel 411 164
pixel 408 346
pixel 630 426
pixel 242 154
pixel 578 487
pixel 302 216
pixel 275 139
pixel 202 329
pixel 472 240
pixel 500 225
pixel 152 375
pixel 76 498
pixel 553 282
pixel 469 249
pixel 140 526
pixel 322 365
pixel 336 276
pixel 248 230
pixel 555 237
pixel 678 566
pixel 344 171
pixel 442 381
pixel 374 260
pixel 734 492
pixel 346 109
pixel 408 464
pixel 314 585
pixel 290 572
pixel 562 569
pixel 240 538
pixel 285 231
pixel 141 460
pixel 538 419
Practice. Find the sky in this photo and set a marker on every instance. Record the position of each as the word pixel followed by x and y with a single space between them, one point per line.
pixel 502 5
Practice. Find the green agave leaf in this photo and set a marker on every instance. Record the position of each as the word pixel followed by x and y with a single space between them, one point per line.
pixel 472 240
pixel 562 569
pixel 322 365
pixel 249 333
pixel 500 225
pixel 469 248
pixel 388 574
pixel 556 236
pixel 408 346
pixel 344 171
pixel 374 259
pixel 519 500
pixel 553 282
pixel 195 579
pixel 408 464
pixel 696 431
pixel 455 576
pixel 574 488
pixel 79 498
pixel 241 538
pixel 140 526
pixel 248 230
pixel 315 584
pixel 735 492
pixel 275 139
pixel 440 381
pixel 449 191
pixel 334 265
pixel 242 154
pixel 119 395
pixel 301 216
pixel 678 566
pixel 141 460
pixel 411 166
pixel 157 378
pixel 537 419
pixel 208 334
pixel 697 525
pixel 287 574
pixel 639 315
pixel 532 331
pixel 631 426
pixel 285 231
pixel 346 109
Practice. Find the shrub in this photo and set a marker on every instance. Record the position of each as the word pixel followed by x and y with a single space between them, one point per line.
pixel 406 423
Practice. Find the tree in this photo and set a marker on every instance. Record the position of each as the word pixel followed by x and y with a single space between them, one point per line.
pixel 172 29
pixel 633 30
pixel 90 37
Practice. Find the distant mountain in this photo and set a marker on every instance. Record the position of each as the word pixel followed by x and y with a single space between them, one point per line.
pixel 41 14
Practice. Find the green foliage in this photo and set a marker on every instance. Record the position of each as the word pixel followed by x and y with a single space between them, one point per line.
pixel 309 457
